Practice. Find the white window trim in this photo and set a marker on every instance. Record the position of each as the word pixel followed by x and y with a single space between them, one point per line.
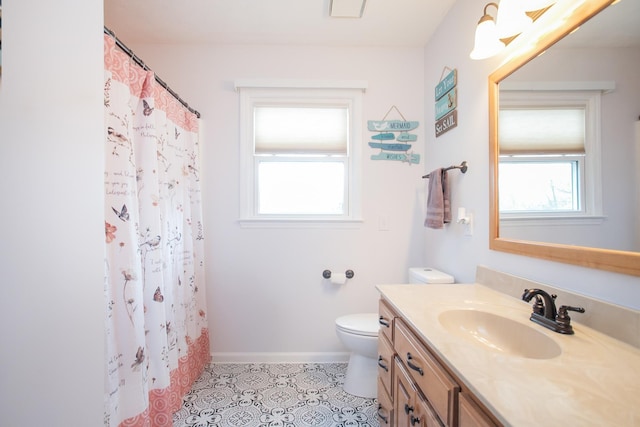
pixel 592 176
pixel 255 93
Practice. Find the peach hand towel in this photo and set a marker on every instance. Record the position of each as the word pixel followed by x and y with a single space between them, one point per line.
pixel 438 200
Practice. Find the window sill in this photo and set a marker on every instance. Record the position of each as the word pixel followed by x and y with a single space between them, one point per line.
pixel 544 221
pixel 300 223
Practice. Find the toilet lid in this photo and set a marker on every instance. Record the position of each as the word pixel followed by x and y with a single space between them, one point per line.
pixel 359 324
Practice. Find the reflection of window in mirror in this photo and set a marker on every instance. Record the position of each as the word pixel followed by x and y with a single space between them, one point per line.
pixel 549 165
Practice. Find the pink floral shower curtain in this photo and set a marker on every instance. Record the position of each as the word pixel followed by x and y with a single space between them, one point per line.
pixel 157 341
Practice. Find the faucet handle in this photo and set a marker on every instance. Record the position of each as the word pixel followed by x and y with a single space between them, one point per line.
pixel 564 308
pixel 564 321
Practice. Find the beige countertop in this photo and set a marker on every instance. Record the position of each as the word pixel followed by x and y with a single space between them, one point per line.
pixel 595 381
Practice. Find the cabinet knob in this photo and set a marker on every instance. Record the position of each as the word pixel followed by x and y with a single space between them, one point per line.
pixel 415 420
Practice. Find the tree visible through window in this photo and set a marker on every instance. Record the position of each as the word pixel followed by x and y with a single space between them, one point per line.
pixel 549 186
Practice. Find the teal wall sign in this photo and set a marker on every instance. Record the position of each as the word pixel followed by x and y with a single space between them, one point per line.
pixel 446 84
pixel 391 125
pixel 392 137
pixel 406 157
pixel 390 146
pixel 446 102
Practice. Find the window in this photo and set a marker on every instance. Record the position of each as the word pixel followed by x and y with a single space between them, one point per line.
pixel 300 156
pixel 549 155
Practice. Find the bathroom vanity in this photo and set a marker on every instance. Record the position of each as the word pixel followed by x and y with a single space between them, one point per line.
pixel 468 355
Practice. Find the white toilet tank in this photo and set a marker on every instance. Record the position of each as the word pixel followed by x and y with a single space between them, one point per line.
pixel 428 275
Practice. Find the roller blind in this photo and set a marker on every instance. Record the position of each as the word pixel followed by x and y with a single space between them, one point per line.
pixel 541 131
pixel 301 130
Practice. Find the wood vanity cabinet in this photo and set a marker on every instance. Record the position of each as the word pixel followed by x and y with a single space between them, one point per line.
pixel 470 414
pixel 411 408
pixel 385 366
pixel 414 388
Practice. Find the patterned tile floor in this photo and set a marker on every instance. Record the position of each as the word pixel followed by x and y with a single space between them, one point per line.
pixel 274 395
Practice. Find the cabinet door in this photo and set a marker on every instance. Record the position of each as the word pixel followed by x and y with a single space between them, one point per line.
pixel 430 377
pixel 425 415
pixel 403 394
pixel 385 363
pixel 385 407
pixel 470 414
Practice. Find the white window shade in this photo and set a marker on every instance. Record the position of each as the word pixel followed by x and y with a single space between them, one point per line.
pixel 542 131
pixel 301 130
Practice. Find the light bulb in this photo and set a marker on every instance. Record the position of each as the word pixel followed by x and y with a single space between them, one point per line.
pixel 487 43
pixel 512 19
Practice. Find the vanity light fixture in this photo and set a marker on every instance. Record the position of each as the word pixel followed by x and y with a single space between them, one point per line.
pixel 538 4
pixel 487 42
pixel 347 8
pixel 512 18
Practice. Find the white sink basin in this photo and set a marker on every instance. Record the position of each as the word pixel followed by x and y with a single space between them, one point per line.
pixel 499 334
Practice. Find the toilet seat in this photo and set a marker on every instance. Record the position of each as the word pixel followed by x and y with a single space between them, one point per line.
pixel 365 324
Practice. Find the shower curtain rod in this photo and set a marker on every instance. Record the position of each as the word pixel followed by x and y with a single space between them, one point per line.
pixel 144 66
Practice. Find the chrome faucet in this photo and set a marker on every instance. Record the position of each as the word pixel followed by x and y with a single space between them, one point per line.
pixel 546 314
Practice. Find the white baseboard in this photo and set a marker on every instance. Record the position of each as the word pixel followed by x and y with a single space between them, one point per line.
pixel 279 357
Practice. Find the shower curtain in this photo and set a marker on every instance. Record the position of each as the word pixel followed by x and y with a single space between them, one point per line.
pixel 157 341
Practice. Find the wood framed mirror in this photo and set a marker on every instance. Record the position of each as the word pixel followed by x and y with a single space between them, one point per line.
pixel 624 260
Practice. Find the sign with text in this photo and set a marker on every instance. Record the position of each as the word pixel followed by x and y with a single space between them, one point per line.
pixel 446 84
pixel 446 101
pixel 447 123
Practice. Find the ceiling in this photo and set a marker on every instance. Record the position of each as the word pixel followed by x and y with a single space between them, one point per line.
pixel 399 23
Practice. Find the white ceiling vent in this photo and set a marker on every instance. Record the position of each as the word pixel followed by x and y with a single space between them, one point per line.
pixel 347 8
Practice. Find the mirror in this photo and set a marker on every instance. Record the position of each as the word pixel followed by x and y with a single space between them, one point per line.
pixel 590 244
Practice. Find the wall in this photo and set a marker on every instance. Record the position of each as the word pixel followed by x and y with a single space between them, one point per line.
pixel 51 249
pixel 449 249
pixel 267 298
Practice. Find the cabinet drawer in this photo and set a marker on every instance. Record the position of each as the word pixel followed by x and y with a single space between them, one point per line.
pixel 385 362
pixel 436 384
pixel 386 317
pixel 471 415
pixel 385 406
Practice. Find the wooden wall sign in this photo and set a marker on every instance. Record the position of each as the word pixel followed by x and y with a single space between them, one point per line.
pixel 392 138
pixel 391 125
pixel 446 101
pixel 449 82
pixel 447 122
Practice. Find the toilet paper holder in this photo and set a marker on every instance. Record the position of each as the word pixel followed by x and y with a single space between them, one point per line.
pixel 327 274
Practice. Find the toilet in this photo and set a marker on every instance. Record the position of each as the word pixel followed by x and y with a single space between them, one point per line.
pixel 359 333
